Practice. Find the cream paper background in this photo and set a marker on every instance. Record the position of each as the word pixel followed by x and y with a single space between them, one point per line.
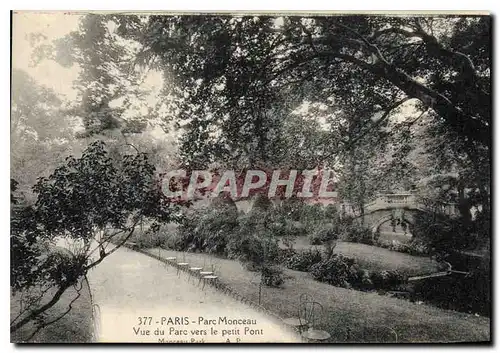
pixel 113 320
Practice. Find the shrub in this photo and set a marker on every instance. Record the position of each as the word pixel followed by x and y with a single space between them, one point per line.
pixel 225 204
pixel 277 228
pixel 272 276
pixel 337 270
pixel 356 233
pixel 253 240
pixel 324 233
pixel 255 246
pixel 312 214
pixel 387 280
pixel 284 255
pixel 172 241
pixel 342 271
pixel 151 237
pixel 418 248
pixel 443 233
pixel 330 212
pixel 262 203
pixel 363 280
pixel 302 261
pixel 287 231
pixel 148 239
pixel 291 208
pixel 247 248
pixel 414 247
pixel 188 234
pixel 207 230
pixel 295 218
pixel 295 228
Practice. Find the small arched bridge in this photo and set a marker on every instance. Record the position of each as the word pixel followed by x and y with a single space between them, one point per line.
pixel 401 206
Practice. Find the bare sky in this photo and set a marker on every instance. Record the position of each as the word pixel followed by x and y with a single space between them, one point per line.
pixel 53 25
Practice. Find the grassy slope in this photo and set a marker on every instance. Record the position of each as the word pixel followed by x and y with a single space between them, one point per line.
pixel 74 327
pixel 378 259
pixel 350 316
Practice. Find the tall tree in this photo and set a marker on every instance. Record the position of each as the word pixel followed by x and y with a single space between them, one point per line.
pixel 40 131
pixel 110 96
pixel 93 202
pixel 233 65
pixel 229 71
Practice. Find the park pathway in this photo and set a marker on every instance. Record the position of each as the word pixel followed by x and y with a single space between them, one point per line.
pixel 140 299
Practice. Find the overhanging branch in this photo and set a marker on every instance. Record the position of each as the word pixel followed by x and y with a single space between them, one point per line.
pixel 379 121
pixel 103 255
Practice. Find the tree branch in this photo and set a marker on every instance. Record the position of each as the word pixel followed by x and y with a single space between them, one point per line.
pixel 457 119
pixel 61 316
pixel 394 30
pixel 379 121
pixel 101 242
pixel 43 308
pixel 30 304
pixel 433 45
pixel 104 255
pixel 371 47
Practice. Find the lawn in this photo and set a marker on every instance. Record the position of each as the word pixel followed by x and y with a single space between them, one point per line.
pixel 349 315
pixel 375 258
pixel 74 327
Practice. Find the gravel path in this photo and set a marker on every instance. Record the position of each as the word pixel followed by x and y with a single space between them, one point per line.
pixel 143 300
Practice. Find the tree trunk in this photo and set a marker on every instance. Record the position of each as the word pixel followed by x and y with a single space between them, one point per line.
pixel 458 120
pixel 464 208
pixel 40 310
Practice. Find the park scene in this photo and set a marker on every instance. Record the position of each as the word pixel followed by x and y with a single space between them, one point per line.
pixel 250 178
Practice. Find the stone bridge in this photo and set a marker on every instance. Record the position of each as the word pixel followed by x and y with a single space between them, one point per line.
pixel 401 206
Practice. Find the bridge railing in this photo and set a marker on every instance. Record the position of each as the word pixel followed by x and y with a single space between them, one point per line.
pixel 388 200
pixel 407 200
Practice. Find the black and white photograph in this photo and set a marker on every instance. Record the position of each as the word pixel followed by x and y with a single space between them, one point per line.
pixel 251 177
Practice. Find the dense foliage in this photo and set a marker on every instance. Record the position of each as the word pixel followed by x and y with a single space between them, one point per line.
pixel 207 230
pixel 246 76
pixel 87 202
pixel 303 260
pixel 336 270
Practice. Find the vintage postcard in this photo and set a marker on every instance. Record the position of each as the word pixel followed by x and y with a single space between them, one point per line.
pixel 250 177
